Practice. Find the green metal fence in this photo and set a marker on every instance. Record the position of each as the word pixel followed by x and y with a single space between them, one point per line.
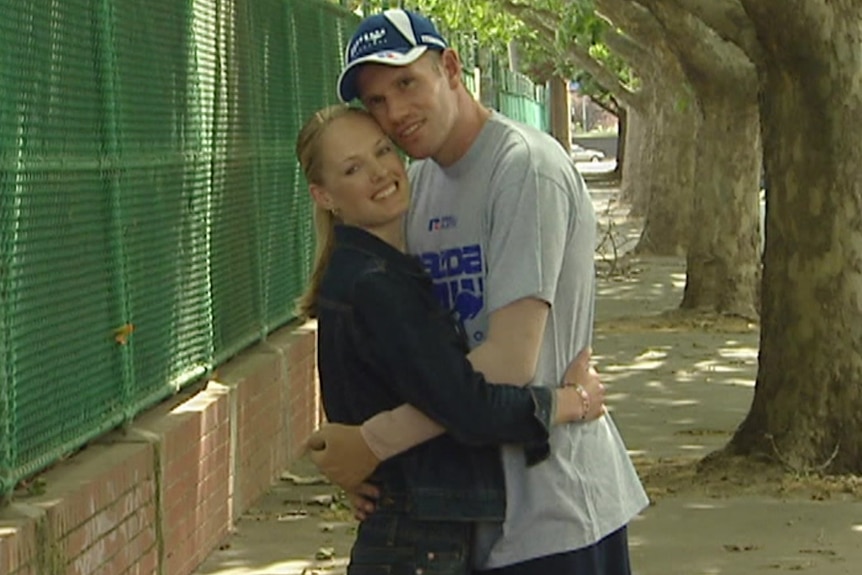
pixel 518 97
pixel 153 221
pixel 153 218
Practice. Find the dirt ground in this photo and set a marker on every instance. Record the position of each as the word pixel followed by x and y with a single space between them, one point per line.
pixel 677 387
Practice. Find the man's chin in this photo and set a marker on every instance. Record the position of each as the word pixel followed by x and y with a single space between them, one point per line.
pixel 416 151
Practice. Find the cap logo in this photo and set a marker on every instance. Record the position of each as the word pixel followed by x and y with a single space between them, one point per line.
pixel 389 55
pixel 367 40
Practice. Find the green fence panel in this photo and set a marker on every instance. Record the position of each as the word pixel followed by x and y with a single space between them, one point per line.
pixel 519 98
pixel 270 61
pixel 63 375
pixel 161 219
pixel 235 259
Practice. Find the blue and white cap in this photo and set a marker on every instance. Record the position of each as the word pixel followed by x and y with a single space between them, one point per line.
pixel 394 38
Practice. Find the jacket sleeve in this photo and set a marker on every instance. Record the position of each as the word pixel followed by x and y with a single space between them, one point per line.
pixel 421 355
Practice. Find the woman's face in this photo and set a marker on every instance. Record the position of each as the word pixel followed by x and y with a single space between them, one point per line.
pixel 363 178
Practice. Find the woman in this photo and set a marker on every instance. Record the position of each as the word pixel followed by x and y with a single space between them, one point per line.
pixel 384 340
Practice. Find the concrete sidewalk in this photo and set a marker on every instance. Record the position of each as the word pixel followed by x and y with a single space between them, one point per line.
pixel 288 533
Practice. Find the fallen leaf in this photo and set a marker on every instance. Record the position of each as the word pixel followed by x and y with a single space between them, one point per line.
pixel 300 480
pixel 293 515
pixel 325 500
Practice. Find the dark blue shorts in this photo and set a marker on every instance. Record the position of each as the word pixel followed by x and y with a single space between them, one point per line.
pixel 610 556
pixel 390 542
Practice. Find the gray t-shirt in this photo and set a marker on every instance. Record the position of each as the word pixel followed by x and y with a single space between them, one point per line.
pixel 512 219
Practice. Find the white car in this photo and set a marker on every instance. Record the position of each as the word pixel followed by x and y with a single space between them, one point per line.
pixel 581 154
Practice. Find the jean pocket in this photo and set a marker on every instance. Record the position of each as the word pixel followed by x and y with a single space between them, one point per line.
pixel 444 563
pixel 368 569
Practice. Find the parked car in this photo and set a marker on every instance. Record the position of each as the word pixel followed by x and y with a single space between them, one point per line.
pixel 581 154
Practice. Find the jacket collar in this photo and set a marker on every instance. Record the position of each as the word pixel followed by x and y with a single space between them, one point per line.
pixel 357 239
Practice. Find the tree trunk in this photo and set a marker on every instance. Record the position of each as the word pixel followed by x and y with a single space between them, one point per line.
pixel 633 190
pixel 659 159
pixel 561 111
pixel 722 263
pixel 807 408
pixel 722 258
pixel 669 171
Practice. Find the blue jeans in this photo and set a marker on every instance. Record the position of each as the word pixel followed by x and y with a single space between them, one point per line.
pixel 610 556
pixel 390 542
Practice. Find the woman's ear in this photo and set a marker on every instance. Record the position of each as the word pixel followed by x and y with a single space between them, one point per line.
pixel 321 197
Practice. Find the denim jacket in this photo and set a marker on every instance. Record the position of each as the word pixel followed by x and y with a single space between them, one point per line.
pixel 384 340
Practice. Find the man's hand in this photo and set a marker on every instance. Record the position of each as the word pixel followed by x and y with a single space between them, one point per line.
pixel 342 455
pixel 581 373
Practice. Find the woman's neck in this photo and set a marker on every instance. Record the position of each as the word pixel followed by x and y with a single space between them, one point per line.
pixel 392 233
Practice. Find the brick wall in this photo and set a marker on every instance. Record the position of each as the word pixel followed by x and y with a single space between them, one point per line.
pixel 157 499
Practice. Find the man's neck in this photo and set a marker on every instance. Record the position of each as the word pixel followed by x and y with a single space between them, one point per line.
pixel 471 118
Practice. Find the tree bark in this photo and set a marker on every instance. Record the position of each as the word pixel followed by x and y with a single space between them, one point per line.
pixel 668 174
pixel 807 408
pixel 723 263
pixel 637 159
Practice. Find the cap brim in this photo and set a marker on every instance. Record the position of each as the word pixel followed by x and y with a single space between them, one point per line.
pixel 347 80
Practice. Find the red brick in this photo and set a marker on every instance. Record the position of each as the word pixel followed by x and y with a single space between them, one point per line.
pixel 147 564
pixel 17 542
pixel 111 534
pixel 179 556
pixel 132 513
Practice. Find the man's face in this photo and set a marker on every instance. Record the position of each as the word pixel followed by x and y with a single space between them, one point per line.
pixel 415 104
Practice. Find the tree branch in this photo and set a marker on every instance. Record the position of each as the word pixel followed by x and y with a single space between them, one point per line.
pixel 647 49
pixel 637 22
pixel 706 56
pixel 729 20
pixel 626 48
pixel 573 52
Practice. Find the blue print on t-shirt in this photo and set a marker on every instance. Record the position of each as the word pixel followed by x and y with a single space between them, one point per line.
pixel 458 278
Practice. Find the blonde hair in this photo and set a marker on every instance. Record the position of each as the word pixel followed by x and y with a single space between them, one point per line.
pixel 308 151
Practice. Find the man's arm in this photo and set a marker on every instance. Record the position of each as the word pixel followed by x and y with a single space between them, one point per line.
pixel 510 351
pixel 508 355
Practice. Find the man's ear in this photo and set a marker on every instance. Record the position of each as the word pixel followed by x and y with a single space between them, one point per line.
pixel 321 197
pixel 451 64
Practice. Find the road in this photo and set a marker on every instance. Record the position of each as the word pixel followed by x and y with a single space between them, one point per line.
pixel 596 167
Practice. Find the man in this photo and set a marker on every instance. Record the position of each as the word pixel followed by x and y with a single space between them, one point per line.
pixel 503 224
